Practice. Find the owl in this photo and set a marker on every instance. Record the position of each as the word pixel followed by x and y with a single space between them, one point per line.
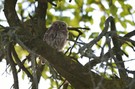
pixel 56 36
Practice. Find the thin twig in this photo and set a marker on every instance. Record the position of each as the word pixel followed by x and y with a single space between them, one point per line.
pixel 82 43
pixel 127 39
pixel 130 34
pixel 76 28
pixel 34 72
pixel 50 1
pixel 20 64
pixel 74 45
pixel 94 41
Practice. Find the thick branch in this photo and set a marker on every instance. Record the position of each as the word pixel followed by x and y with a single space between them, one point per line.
pixel 40 16
pixel 10 13
pixel 75 73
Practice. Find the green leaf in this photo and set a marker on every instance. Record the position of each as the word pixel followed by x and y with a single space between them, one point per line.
pixel 83 35
pixel 20 51
pixel 86 18
pixel 94 34
pixel 89 9
pixel 113 9
pixel 71 6
pixel 122 32
pixel 123 24
pixel 75 33
pixel 128 6
pixel 130 22
pixel 90 1
pixel 99 43
pixel 23 75
pixel 124 13
pixel 44 72
pixel 79 2
pixel 20 5
pixel 126 10
pixel 31 1
pixel 103 18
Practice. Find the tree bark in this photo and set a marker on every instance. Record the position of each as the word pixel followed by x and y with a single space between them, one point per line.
pixel 78 76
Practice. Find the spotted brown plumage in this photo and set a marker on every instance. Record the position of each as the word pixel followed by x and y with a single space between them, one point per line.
pixel 56 36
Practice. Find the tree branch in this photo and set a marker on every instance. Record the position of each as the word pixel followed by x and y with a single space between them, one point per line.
pixel 20 64
pixel 117 50
pixel 94 41
pixel 34 72
pixel 75 73
pixel 39 18
pixel 10 13
pixel 50 1
pixel 76 28
pixel 14 70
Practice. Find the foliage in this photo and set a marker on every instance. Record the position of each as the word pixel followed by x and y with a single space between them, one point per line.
pixel 104 46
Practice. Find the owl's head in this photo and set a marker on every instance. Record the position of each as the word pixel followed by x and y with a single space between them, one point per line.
pixel 59 25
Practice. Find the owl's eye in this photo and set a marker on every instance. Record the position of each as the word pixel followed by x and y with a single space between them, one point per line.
pixel 63 24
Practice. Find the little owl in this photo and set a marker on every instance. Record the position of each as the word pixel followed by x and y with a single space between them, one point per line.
pixel 56 36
